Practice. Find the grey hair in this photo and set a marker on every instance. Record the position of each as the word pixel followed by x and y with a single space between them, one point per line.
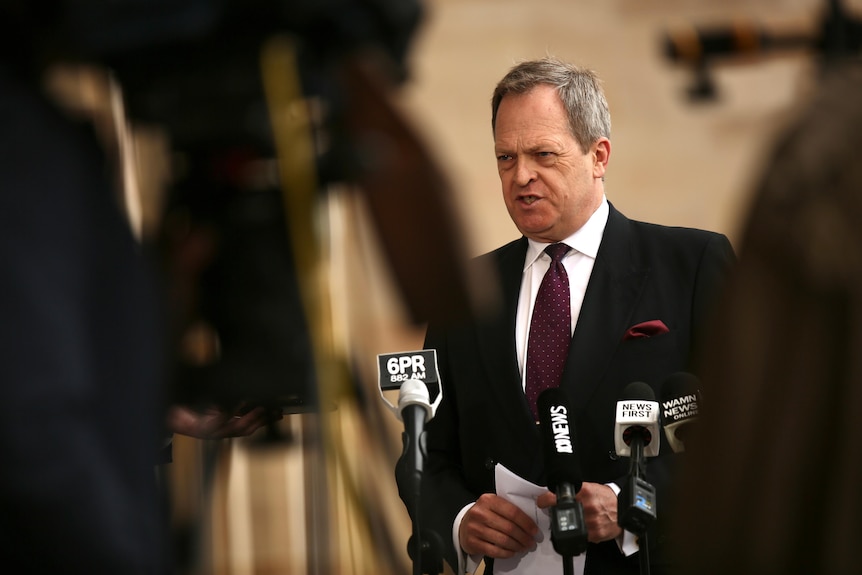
pixel 580 91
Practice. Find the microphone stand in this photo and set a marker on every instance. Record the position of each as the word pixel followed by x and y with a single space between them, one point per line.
pixel 637 472
pixel 636 504
pixel 568 565
pixel 414 409
pixel 568 528
pixel 423 548
pixel 641 532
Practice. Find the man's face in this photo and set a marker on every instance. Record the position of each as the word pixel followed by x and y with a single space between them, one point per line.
pixel 551 186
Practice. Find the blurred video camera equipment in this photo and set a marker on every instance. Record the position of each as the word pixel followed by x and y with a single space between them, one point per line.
pixel 207 73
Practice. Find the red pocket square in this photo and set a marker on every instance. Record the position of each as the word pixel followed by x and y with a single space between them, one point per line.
pixel 646 329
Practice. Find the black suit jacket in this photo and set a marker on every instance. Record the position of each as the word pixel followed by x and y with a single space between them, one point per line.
pixel 642 272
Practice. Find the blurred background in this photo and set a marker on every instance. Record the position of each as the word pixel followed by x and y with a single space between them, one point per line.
pixel 674 160
pixel 315 492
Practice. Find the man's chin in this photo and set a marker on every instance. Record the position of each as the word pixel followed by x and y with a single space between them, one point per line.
pixel 533 227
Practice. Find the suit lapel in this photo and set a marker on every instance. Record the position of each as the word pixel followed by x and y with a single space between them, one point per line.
pixel 612 292
pixel 496 338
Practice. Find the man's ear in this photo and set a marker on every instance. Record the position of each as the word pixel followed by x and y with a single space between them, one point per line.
pixel 601 157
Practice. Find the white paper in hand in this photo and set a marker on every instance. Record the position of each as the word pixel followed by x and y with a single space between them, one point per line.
pixel 544 559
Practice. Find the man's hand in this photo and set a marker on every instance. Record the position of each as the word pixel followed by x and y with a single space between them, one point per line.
pixel 495 527
pixel 216 423
pixel 600 510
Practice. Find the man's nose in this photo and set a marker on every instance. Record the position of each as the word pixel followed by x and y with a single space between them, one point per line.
pixel 524 171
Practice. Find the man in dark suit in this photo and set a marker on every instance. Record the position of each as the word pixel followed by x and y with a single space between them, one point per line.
pixel 639 295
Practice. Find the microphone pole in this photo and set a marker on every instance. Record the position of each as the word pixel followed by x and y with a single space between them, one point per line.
pixel 413 374
pixel 637 422
pixel 638 493
pixel 415 407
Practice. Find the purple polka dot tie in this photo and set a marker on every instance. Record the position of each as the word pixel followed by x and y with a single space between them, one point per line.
pixel 550 329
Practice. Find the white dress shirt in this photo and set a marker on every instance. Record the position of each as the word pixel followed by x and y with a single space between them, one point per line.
pixel 579 265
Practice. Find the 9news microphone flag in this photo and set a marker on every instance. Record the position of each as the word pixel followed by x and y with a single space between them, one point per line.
pixel 563 468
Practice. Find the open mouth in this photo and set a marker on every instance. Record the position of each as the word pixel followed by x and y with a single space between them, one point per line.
pixel 529 199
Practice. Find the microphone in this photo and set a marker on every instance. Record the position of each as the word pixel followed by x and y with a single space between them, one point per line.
pixel 637 421
pixel 563 466
pixel 414 375
pixel 636 436
pixel 680 399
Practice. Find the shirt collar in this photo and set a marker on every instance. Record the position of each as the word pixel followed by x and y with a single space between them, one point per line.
pixel 586 239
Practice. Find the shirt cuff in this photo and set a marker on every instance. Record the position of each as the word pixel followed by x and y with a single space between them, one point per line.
pixel 466 563
pixel 627 542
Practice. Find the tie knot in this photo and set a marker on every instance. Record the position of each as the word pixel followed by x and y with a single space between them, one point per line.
pixel 557 251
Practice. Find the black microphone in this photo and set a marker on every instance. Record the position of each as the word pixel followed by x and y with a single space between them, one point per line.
pixel 680 401
pixel 563 467
pixel 636 436
pixel 414 375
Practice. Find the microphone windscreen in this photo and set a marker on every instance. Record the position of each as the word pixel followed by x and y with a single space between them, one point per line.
pixel 559 441
pixel 680 399
pixel 679 387
pixel 638 391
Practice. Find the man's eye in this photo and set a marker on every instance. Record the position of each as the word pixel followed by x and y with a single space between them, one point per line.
pixel 503 157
